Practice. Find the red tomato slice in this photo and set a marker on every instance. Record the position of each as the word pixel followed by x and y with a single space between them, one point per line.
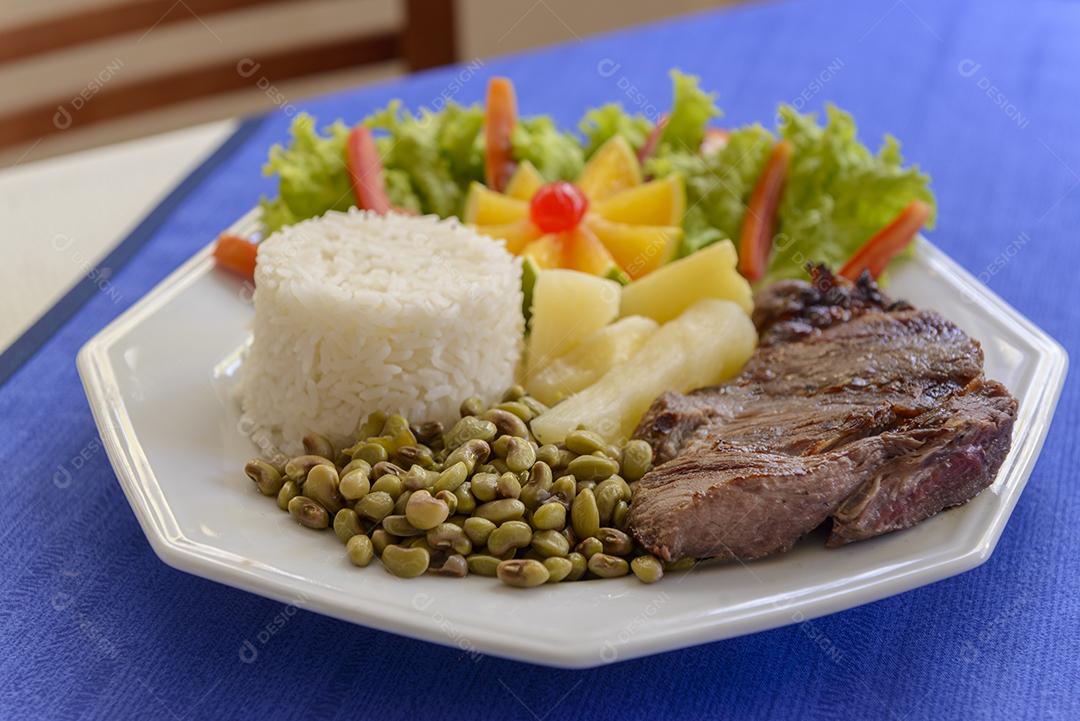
pixel 366 171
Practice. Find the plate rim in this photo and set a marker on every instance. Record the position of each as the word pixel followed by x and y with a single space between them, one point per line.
pixel 149 503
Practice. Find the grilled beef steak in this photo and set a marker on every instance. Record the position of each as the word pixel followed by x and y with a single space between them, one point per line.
pixel 854 408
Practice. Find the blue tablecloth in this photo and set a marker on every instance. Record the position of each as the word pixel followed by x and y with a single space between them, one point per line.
pixel 984 95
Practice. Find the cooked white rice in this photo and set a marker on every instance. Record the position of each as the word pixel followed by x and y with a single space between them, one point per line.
pixel 356 312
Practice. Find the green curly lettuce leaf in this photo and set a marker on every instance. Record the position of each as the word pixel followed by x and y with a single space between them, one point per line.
pixel 718 186
pixel 312 177
pixel 691 111
pixel 838 193
pixel 431 157
pixel 600 125
pixel 555 153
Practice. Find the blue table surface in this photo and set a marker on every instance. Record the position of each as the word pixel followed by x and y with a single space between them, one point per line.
pixel 984 95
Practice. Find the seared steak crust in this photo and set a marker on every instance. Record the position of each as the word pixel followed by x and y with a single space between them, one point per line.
pixel 853 407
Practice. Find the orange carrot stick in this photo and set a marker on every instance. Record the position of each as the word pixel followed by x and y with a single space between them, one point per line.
pixel 500 116
pixel 236 254
pixel 759 223
pixel 885 244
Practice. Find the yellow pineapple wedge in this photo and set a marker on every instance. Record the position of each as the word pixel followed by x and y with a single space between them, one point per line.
pixel 705 345
pixel 567 306
pixel 709 273
pixel 590 359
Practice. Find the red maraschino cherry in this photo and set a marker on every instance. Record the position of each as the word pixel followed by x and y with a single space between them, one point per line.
pixel 558 207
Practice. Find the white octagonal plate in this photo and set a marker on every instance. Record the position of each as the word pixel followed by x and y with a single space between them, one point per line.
pixel 158 379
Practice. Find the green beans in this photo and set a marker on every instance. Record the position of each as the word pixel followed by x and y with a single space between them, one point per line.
pixel 512 534
pixel 289 490
pixel 578 566
pixel 322 487
pixel 380 539
pixel 452 477
pixel 454 566
pixel 508 486
pixel 389 484
pixel 520 454
pixel 550 543
pixel 637 457
pixel 467 429
pixel 471 453
pixel 346 524
pixel 506 424
pixel 589 547
pixel 482 564
pixel 522 573
pixel 447 536
pixel 416 456
pixel 318 445
pixel 424 511
pixel 585 442
pixel 465 502
pixel 550 516
pixel 308 513
pixel 430 433
pixel 371 453
pixel 356 483
pixel 399 526
pixel 297 468
pixel 680 564
pixel 607 566
pixel 372 426
pixel 417 477
pixel 549 454
pixel 405 562
pixel 485 487
pixel 584 515
pixel 375 506
pixel 620 516
pixel 648 569
pixel 472 406
pixel 478 530
pixel 423 497
pixel 514 392
pixel 518 408
pixel 449 499
pixel 538 489
pixel 359 550
pixel 592 468
pixel 615 542
pixel 267 478
pixel 501 511
pixel 558 568
pixel 608 493
pixel 565 489
pixel 398 431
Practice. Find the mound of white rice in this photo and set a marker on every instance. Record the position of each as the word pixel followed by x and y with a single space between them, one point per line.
pixel 356 312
